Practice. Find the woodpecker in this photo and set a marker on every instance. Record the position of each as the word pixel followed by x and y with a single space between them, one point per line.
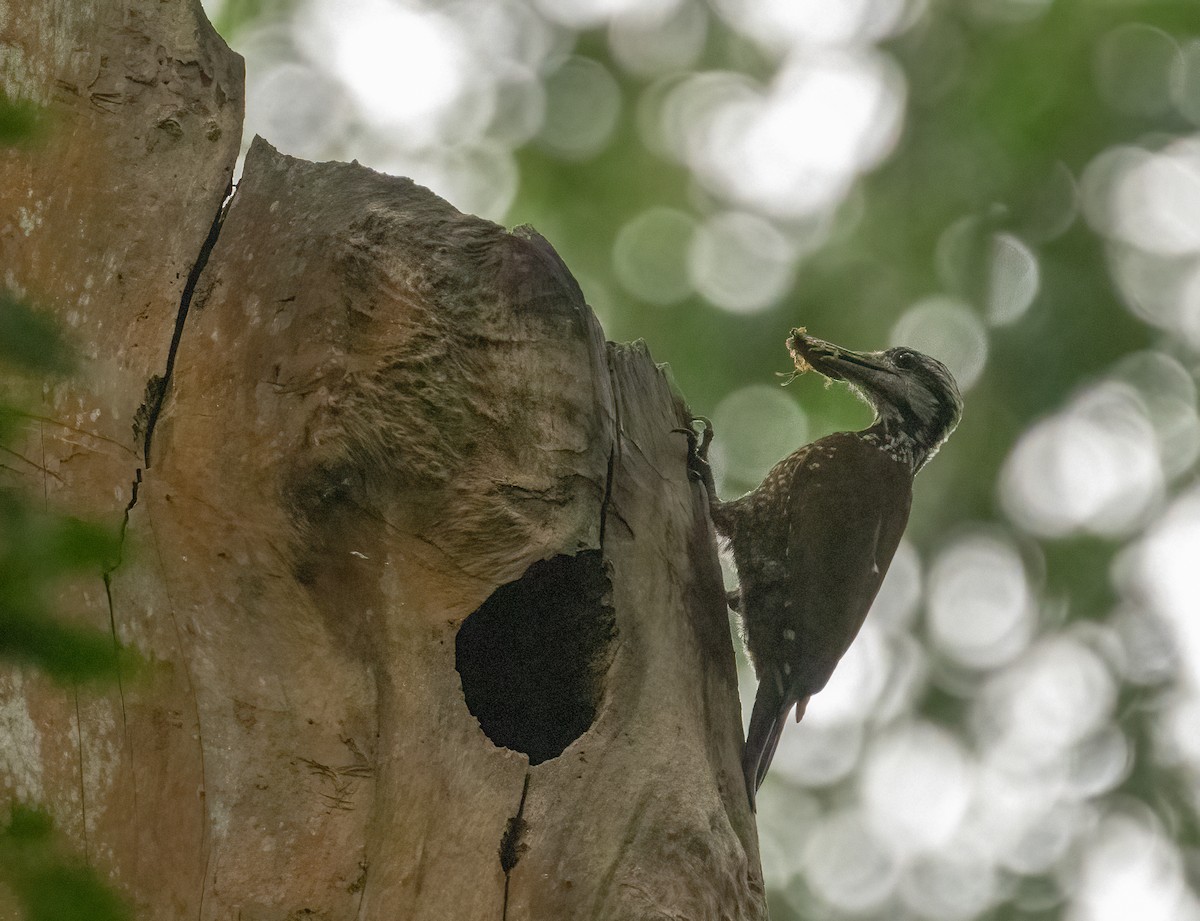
pixel 813 542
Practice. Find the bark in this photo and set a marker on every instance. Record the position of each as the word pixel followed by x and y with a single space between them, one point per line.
pixel 433 613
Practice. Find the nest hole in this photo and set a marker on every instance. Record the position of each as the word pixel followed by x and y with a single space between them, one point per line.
pixel 533 657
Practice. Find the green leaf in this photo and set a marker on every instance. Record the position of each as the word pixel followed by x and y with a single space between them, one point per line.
pixel 66 653
pixel 20 121
pixel 36 551
pixel 29 339
pixel 28 824
pixel 50 886
pixel 66 892
pixel 77 544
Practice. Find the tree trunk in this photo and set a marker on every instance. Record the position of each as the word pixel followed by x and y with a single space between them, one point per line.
pixel 433 615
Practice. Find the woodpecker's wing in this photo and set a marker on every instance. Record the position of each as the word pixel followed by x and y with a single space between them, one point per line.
pixel 847 510
pixel 847 507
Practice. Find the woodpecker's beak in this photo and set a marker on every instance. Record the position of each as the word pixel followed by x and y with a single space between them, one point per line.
pixel 869 370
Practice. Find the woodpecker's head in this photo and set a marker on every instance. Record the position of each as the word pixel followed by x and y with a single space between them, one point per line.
pixel 915 398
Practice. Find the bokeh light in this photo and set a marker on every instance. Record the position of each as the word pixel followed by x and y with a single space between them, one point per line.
pixel 795 150
pixel 1165 575
pixel 1013 279
pixel 846 866
pixel 896 604
pixel 740 262
pixel 650 255
pixel 857 684
pixel 1145 198
pixel 482 179
pixel 1033 711
pixel 582 14
pixel 1130 869
pixel 1185 81
pixel 582 105
pixel 789 23
pixel 376 46
pixel 298 107
pixel 916 787
pixel 744 455
pixel 948 330
pixel 950 885
pixel 981 608
pixel 783 832
pixel 1134 66
pixel 650 40
pixel 813 754
pixel 1093 467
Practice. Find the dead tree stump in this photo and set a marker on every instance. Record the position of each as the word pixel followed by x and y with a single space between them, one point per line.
pixel 433 613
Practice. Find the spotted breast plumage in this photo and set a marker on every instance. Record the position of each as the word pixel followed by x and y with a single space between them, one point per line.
pixel 813 542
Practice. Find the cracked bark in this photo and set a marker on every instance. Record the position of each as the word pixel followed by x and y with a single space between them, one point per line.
pixel 376 420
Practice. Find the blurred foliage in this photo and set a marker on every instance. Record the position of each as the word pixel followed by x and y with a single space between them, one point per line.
pixel 50 885
pixel 29 341
pixel 20 122
pixel 235 15
pixel 38 551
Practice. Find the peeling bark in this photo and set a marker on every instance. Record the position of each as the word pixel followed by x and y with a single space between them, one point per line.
pixel 434 614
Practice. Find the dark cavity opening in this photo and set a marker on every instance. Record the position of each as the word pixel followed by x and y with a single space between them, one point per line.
pixel 533 657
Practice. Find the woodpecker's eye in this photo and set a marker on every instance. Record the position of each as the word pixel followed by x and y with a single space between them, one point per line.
pixel 904 359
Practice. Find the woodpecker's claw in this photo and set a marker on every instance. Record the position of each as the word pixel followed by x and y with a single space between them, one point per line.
pixel 698 442
pixel 693 456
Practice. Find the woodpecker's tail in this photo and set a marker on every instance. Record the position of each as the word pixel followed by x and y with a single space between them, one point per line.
pixel 767 719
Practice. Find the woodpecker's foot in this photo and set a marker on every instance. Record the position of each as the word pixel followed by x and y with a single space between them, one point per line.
pixel 733 598
pixel 698 442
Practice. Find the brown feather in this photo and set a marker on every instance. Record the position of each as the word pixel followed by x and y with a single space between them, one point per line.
pixel 812 545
